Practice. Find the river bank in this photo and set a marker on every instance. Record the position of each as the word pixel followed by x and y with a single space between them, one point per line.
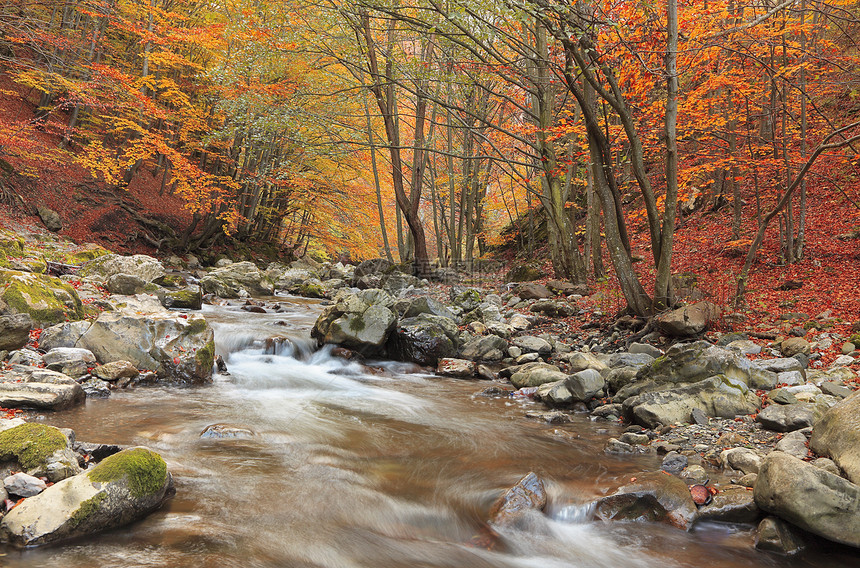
pixel 500 336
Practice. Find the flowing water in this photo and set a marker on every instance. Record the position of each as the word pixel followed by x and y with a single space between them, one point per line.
pixel 356 469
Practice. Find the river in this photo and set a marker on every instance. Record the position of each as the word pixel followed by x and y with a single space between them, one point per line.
pixel 351 469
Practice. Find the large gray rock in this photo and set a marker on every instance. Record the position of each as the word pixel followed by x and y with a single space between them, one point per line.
pixel 14 331
pixel 122 488
pixel 809 497
pixel 177 348
pixel 534 291
pixel 457 368
pixel 536 374
pixel 691 362
pixel 585 385
pixel 733 504
pixel 64 334
pixel 125 284
pixel 229 281
pixel 790 417
pixel 424 339
pixel 688 321
pixel 50 218
pixel 837 435
pixel 716 396
pixel 580 361
pixel 531 344
pixel 30 387
pixel 779 365
pixel 411 307
pixel 485 348
pixel 360 321
pixel 72 361
pixel 144 267
pixel 23 485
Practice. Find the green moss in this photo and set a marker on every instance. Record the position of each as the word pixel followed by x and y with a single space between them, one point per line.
pixel 31 444
pixel 48 300
pixel 82 256
pixel 205 356
pixel 311 291
pixel 144 471
pixel 87 509
pixel 855 339
pixel 195 326
pixel 356 323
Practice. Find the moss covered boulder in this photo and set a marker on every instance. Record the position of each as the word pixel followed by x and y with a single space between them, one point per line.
pixel 424 339
pixel 46 299
pixel 229 281
pixel 360 321
pixel 177 347
pixel 144 267
pixel 40 450
pixel 121 489
pixel 189 298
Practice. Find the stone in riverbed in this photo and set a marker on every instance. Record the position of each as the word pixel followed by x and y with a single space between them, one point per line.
pixel 125 284
pixel 29 387
pixel 775 535
pixel 360 321
pixel 528 495
pixel 64 334
pixel 424 339
pixel 790 417
pixel 72 361
pixel 651 496
pixel 531 344
pixel 23 485
pixel 585 385
pixel 141 266
pixel 837 435
pixel 810 498
pixel 96 388
pixel 693 362
pixel 39 450
pixel 689 320
pixel 484 348
pixel 227 432
pixel 536 374
pixel 189 298
pixel 14 331
pixel 732 504
pixel 457 368
pixel 122 488
pixel 793 444
pixel 116 370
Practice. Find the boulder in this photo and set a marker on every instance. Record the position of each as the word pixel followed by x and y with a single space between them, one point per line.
pixel 717 396
pixel 467 300
pixel 837 435
pixel 229 281
pixel 528 495
pixel 23 485
pixel 645 348
pixel 47 300
pixel 485 348
pixel 50 218
pixel 140 265
pixel 30 387
pixel 411 307
pixel 553 308
pixel 125 284
pixel 779 365
pixel 96 388
pixel 585 385
pixel 775 535
pixel 177 347
pixel 189 298
pixel 554 393
pixel 360 321
pixel 742 459
pixel 64 334
pixel 39 450
pixel 374 266
pixel 122 488
pixel 423 339
pixel 116 370
pixel 651 496
pixel 523 272
pixel 72 361
pixel 732 504
pixel 810 498
pixel 744 347
pixel 457 368
pixel 580 361
pixel 692 362
pixel 793 444
pixel 688 321
pixel 15 331
pixel 536 374
pixel 789 417
pixel 534 291
pixel 531 344
pixel 794 345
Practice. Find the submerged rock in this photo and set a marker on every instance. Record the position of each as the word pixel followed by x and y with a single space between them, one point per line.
pixel 227 432
pixel 511 509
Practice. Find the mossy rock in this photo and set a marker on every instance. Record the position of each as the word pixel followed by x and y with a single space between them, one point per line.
pixel 206 355
pixel 144 471
pixel 309 290
pixel 11 246
pixel 48 300
pixel 31 444
pixel 524 272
